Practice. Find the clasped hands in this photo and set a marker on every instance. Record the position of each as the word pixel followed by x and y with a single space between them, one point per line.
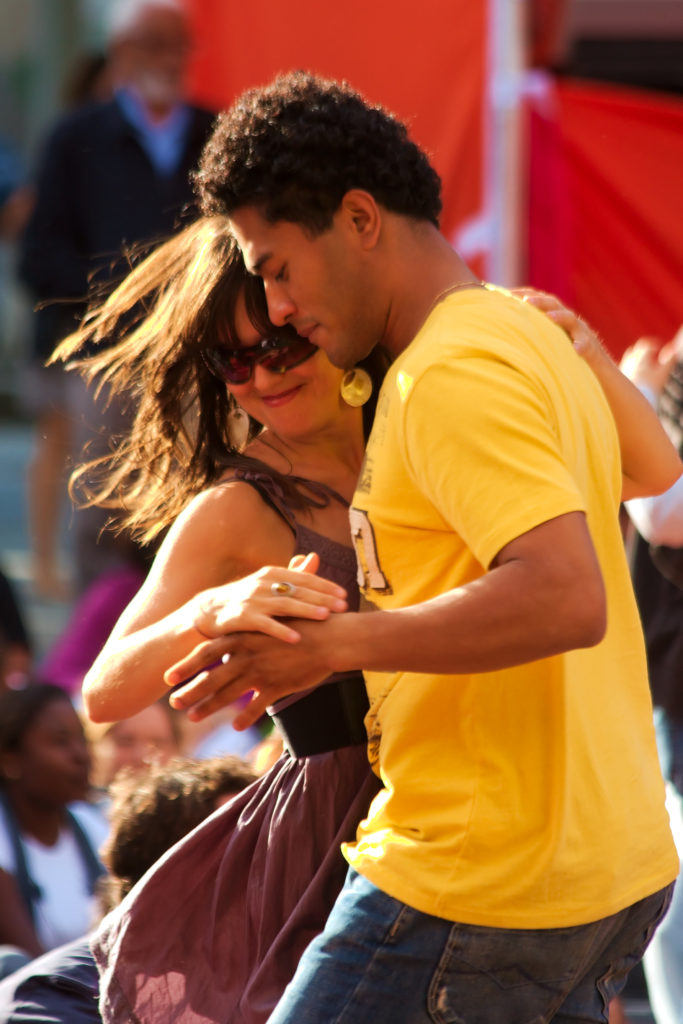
pixel 249 646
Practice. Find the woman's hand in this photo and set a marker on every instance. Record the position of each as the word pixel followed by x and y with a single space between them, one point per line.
pixel 649 461
pixel 258 602
pixel 583 338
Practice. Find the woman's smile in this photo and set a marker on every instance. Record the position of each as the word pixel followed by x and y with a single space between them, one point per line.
pixel 282 398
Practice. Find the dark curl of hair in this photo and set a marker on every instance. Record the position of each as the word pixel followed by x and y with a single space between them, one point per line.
pixel 154 809
pixel 295 147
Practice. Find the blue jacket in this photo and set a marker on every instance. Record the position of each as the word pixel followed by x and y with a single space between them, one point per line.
pixel 59 987
pixel 98 193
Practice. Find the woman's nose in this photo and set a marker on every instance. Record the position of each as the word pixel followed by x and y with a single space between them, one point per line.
pixel 263 378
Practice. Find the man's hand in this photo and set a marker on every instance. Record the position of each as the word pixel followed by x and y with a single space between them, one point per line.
pixel 260 601
pixel 221 670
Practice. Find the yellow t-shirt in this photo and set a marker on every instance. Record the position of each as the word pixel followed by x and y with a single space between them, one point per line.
pixel 529 797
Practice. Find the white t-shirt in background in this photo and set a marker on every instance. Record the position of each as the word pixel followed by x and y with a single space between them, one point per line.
pixel 66 909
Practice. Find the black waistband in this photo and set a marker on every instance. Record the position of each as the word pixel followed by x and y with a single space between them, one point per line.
pixel 327 719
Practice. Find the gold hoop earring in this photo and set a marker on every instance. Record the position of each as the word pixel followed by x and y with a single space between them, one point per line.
pixel 356 387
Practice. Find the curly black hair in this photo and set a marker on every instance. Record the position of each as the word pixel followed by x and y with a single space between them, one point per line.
pixel 153 809
pixel 296 146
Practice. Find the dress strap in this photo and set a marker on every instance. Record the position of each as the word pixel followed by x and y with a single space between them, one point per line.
pixel 274 494
pixel 94 868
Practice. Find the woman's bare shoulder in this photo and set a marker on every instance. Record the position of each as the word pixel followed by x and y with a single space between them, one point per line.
pixel 234 521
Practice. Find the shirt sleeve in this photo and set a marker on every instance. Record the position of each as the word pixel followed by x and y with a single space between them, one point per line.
pixel 483 443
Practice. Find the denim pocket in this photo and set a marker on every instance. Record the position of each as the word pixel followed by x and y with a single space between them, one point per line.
pixel 500 976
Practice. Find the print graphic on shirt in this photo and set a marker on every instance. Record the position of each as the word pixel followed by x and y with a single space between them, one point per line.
pixel 365 475
pixel 375 443
pixel 370 575
pixel 374 728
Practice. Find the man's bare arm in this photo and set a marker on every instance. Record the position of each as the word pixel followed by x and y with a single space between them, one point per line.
pixel 542 596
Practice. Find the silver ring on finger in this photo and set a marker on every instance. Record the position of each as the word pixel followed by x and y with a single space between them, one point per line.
pixel 283 588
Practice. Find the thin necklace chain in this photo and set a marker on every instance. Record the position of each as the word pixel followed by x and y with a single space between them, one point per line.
pixel 447 291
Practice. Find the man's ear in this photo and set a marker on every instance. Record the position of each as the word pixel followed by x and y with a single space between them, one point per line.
pixel 363 216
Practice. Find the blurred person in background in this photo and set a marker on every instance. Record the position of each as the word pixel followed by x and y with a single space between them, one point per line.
pixel 91 621
pixel 152 736
pixel 657 568
pixel 150 812
pixel 16 656
pixel 89 80
pixel 49 835
pixel 15 648
pixel 113 174
pixel 16 198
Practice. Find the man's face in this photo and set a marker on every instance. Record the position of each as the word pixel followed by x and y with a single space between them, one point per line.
pixel 321 284
pixel 153 57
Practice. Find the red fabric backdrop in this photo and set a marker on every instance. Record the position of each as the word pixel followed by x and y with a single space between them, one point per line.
pixel 426 65
pixel 606 203
pixel 606 207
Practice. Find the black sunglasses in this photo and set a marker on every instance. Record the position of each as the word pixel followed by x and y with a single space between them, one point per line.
pixel 277 355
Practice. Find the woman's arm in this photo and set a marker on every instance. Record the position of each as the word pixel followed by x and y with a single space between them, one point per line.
pixel 207 579
pixel 649 461
pixel 224 534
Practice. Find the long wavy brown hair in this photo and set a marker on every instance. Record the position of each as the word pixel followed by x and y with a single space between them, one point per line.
pixel 144 344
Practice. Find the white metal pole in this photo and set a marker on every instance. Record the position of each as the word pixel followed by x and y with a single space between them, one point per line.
pixel 504 157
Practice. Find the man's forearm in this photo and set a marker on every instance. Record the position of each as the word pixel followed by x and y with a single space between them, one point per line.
pixel 543 595
pixel 492 623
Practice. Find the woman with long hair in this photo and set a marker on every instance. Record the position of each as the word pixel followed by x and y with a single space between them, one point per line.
pixel 243 453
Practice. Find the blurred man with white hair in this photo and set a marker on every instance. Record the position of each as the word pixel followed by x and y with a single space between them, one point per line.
pixel 113 174
pixel 149 43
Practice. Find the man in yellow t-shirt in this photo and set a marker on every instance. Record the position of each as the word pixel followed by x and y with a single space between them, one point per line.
pixel 489 813
pixel 518 856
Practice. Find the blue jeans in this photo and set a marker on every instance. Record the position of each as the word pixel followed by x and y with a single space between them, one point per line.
pixel 382 962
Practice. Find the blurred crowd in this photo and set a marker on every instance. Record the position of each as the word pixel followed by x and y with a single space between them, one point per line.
pixel 86 808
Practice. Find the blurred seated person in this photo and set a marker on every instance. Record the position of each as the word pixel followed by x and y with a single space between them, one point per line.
pixel 150 737
pixel 16 658
pixel 149 814
pixel 90 623
pixel 89 80
pixel 16 198
pixel 113 175
pixel 657 569
pixel 49 836
pixel 215 736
